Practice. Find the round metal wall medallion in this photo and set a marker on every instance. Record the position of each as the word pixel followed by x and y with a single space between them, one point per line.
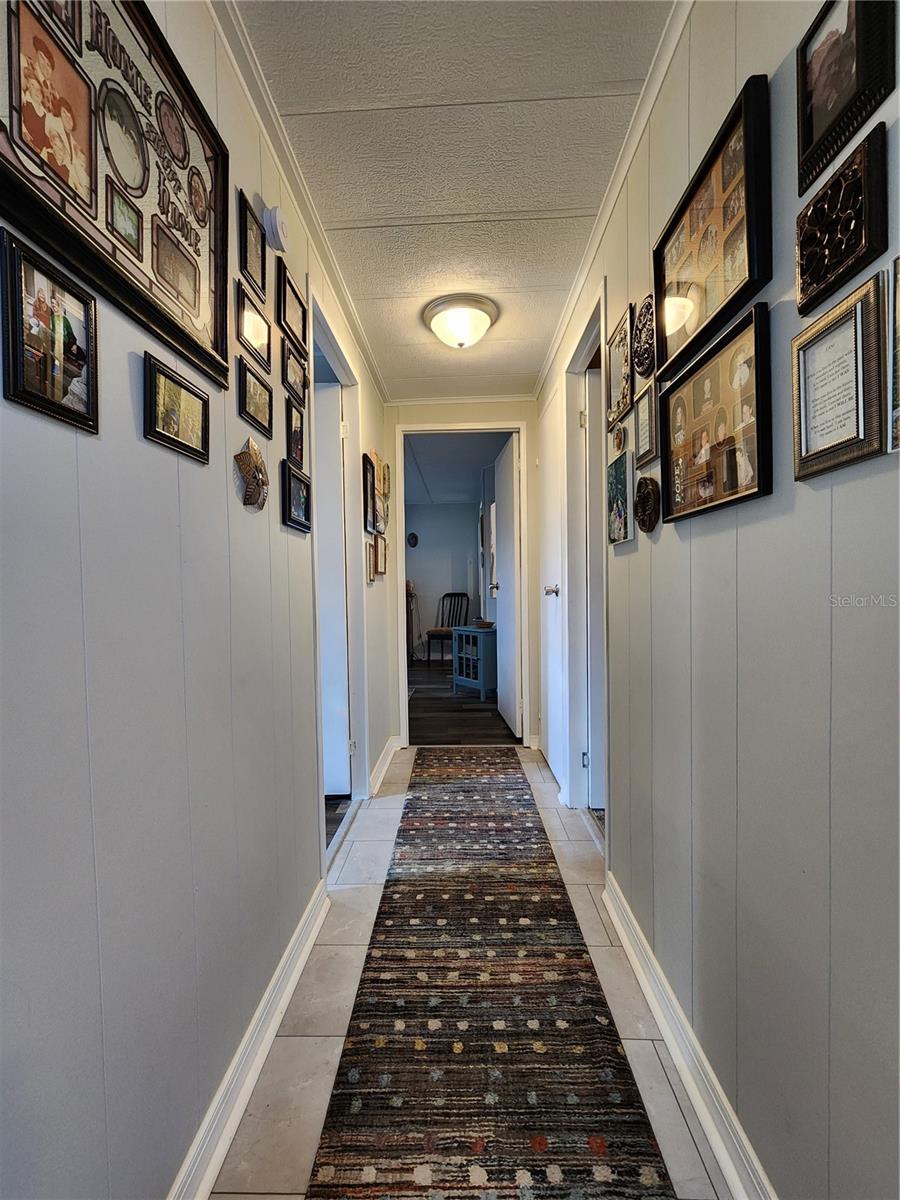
pixel 646 504
pixel 620 438
pixel 643 355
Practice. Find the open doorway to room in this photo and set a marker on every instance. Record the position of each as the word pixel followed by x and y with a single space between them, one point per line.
pixel 462 523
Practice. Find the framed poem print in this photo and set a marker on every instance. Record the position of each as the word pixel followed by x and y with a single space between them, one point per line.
pixel 620 500
pixel 894 423
pixel 254 399
pixel 646 434
pixel 619 379
pixel 845 70
pixel 294 375
pixel 50 358
pixel 295 424
pixel 292 313
pixel 253 330
pixel 380 548
pixel 251 246
pixel 715 252
pixel 296 498
pixel 176 414
pixel 844 227
pixel 110 160
pixel 715 423
pixel 368 469
pixel 838 377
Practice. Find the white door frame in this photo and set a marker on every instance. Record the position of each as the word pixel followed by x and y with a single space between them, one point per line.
pixel 517 427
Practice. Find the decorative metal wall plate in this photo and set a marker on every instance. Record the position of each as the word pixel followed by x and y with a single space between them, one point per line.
pixel 643 352
pixel 252 467
pixel 646 504
pixel 620 438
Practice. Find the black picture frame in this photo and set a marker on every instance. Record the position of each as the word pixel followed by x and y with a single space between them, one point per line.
pixel 27 350
pixel 73 229
pixel 288 294
pixel 368 481
pixel 247 306
pixel 292 479
pixel 861 75
pixel 647 395
pixel 746 129
pixel 295 432
pixel 894 418
pixel 248 221
pixel 680 477
pixel 247 376
pixel 619 372
pixel 291 358
pixel 844 227
pixel 154 372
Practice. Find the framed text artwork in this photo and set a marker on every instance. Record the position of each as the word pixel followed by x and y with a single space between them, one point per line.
pixel 715 252
pixel 110 161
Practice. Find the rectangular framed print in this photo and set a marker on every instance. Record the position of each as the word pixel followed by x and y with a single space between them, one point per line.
pixel 380 546
pixel 50 363
pixel 111 162
pixel 620 499
pixel 251 246
pixel 368 468
pixel 296 498
pixel 295 424
pixel 646 432
pixel 715 252
pixel 254 398
pixel 715 424
pixel 176 414
pixel 292 312
pixel 838 376
pixel 370 562
pixel 619 375
pixel 253 330
pixel 894 423
pixel 294 374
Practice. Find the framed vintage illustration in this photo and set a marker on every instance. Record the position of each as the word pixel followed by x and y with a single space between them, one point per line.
pixel 50 359
pixel 620 499
pixel 254 398
pixel 894 422
pixel 619 380
pixel 292 312
pixel 253 330
pixel 646 435
pixel 296 498
pixel 844 227
pixel 295 425
pixel 715 252
pixel 380 548
pixel 294 375
pixel 368 468
pixel 176 414
pixel 251 246
pixel 838 376
pixel 845 70
pixel 715 424
pixel 111 162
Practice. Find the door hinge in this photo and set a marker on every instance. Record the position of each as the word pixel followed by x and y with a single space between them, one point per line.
pixel 585 759
pixel 345 429
pixel 352 745
pixel 582 419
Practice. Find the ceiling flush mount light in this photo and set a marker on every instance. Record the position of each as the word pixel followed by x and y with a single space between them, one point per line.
pixel 460 321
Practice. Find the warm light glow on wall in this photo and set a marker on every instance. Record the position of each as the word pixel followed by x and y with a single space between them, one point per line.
pixel 460 321
pixel 676 312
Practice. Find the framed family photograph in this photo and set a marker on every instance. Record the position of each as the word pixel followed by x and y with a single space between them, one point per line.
pixel 251 246
pixel 296 498
pixel 295 424
pixel 368 469
pixel 620 499
pixel 292 312
pixel 845 70
pixel 253 330
pixel 619 377
pixel 646 435
pixel 176 414
pixel 838 377
pixel 50 359
pixel 294 375
pixel 254 398
pixel 715 252
pixel 715 425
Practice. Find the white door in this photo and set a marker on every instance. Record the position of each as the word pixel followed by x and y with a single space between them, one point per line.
pixel 553 659
pixel 506 584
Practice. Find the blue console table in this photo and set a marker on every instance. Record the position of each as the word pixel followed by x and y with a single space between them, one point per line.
pixel 474 659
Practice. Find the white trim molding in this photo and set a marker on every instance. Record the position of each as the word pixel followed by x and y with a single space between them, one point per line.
pixel 454 400
pixel 197 1174
pixel 743 1171
pixel 394 742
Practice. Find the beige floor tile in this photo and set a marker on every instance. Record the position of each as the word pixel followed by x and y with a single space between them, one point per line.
pixel 552 823
pixel 626 1000
pixel 580 862
pixel 592 928
pixel 276 1142
pixel 376 825
pixel 340 857
pixel 680 1154
pixel 596 891
pixel 388 800
pixel 576 825
pixel 713 1170
pixel 351 915
pixel 367 862
pixel 545 794
pixel 324 995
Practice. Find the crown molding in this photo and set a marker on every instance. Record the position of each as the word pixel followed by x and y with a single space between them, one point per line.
pixel 524 399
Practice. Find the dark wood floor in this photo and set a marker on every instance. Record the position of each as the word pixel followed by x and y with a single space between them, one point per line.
pixel 438 718
pixel 335 810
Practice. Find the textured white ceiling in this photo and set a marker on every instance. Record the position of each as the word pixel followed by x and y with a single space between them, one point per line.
pixel 445 468
pixel 456 147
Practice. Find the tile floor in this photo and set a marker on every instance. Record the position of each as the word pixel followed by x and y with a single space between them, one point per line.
pixel 273 1150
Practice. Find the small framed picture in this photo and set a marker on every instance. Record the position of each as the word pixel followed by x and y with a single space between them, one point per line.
pixel 50 362
pixel 620 500
pixel 253 329
pixel 124 219
pixel 295 424
pixel 293 371
pixel 838 374
pixel 254 398
pixel 176 414
pixel 380 554
pixel 292 313
pixel 618 369
pixel 296 498
pixel 252 246
pixel 368 495
pixel 894 424
pixel 646 436
pixel 370 562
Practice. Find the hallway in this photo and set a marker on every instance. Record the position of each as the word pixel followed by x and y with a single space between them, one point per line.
pixel 445 1095
pixel 437 717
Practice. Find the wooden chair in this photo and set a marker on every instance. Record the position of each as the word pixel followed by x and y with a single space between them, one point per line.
pixel 453 610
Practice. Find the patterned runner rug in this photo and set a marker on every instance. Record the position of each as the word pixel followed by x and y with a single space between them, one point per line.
pixel 482 1059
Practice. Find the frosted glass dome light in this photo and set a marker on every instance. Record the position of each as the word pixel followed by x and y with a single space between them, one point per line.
pixel 677 311
pixel 460 321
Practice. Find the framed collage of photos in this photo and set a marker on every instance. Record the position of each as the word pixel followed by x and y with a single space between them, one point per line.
pixel 715 423
pixel 715 252
pixel 110 161
pixel 176 414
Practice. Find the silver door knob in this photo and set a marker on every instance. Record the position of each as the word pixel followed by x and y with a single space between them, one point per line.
pixel 552 591
pixel 495 587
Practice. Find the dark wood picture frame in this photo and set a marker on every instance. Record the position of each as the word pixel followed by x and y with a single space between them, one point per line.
pixel 620 391
pixel 756 319
pixel 647 394
pixel 289 354
pixel 864 308
pixel 153 371
pixel 866 85
pixel 17 354
pixel 287 290
pixel 750 113
pixel 894 417
pixel 245 374
pixel 368 481
pixel 61 225
pixel 289 477
pixel 246 217
pixel 244 301
pixel 292 410
pixel 844 227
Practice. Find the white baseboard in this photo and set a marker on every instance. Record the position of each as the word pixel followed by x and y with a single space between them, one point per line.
pixel 740 1165
pixel 201 1166
pixel 393 743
